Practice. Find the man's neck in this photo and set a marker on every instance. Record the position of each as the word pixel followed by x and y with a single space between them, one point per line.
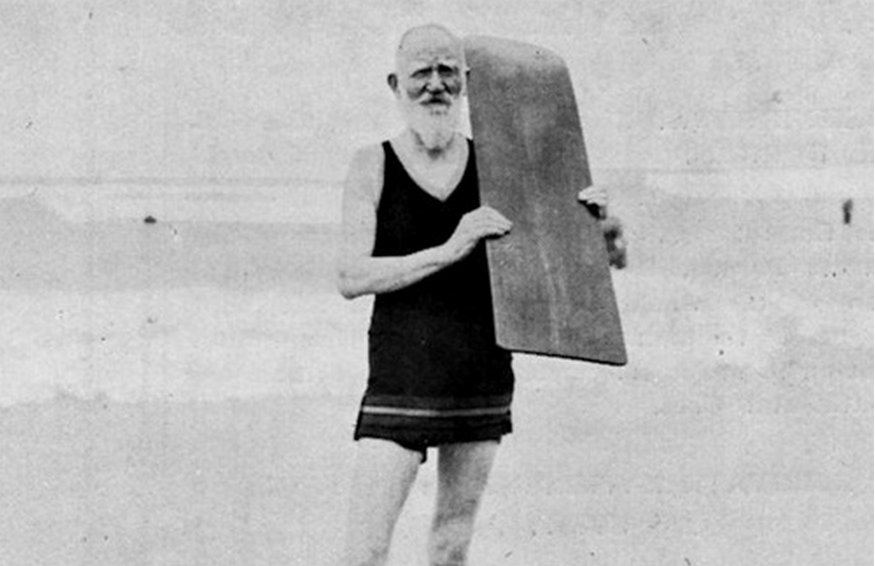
pixel 438 152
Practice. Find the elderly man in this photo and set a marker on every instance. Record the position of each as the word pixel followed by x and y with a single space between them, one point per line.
pixel 413 235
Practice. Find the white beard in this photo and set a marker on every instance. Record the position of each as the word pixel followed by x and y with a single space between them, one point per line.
pixel 435 127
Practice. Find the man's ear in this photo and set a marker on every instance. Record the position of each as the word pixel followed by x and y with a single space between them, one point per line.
pixel 392 81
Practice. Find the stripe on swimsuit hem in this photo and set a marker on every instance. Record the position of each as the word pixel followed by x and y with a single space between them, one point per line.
pixel 438 403
pixel 433 413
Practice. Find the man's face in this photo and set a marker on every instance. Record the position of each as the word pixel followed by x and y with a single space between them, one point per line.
pixel 429 81
pixel 431 78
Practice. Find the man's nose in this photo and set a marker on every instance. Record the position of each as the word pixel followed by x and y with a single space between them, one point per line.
pixel 435 82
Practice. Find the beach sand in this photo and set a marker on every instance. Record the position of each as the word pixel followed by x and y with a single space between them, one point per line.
pixel 184 392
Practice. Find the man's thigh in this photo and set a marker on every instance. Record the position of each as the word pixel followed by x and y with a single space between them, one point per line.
pixel 463 470
pixel 384 473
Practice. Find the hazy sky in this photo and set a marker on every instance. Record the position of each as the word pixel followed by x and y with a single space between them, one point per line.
pixel 273 89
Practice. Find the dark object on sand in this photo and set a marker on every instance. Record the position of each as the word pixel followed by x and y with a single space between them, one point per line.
pixel 150 220
pixel 847 210
pixel 612 229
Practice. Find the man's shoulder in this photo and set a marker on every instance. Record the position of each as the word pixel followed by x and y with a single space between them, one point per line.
pixel 368 156
pixel 368 159
pixel 366 171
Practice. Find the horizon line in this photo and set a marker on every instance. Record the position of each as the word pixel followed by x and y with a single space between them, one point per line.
pixel 277 181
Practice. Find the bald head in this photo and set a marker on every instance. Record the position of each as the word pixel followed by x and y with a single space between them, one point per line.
pixel 427 50
pixel 428 41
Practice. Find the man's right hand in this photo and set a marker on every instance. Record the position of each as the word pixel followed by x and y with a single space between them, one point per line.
pixel 483 222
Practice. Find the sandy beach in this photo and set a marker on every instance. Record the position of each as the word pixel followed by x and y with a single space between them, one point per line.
pixel 184 392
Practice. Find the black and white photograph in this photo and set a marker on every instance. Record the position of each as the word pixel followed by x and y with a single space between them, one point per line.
pixel 461 283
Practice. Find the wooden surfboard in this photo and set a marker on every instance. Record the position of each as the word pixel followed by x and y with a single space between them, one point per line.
pixel 551 282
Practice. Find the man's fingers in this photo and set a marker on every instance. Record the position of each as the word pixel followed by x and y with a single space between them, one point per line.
pixel 493 216
pixel 496 230
pixel 487 221
pixel 489 229
pixel 494 225
pixel 593 195
pixel 485 228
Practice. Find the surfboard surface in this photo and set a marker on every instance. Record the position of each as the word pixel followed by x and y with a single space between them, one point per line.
pixel 551 282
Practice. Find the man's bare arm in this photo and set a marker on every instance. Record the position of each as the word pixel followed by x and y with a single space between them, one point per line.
pixel 359 273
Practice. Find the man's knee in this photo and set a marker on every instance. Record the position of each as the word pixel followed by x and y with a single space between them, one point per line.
pixel 449 557
pixel 451 533
pixel 449 545
pixel 458 510
pixel 374 555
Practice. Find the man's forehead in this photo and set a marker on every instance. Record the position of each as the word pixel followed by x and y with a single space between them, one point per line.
pixel 429 45
pixel 429 59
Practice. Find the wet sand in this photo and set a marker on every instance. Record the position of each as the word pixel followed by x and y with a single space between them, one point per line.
pixel 184 393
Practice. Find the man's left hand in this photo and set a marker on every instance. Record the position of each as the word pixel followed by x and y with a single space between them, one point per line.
pixel 594 195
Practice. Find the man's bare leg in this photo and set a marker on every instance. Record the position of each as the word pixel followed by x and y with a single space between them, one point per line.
pixel 463 470
pixel 384 473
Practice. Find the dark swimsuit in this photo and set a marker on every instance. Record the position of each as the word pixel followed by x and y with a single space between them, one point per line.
pixel 436 374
